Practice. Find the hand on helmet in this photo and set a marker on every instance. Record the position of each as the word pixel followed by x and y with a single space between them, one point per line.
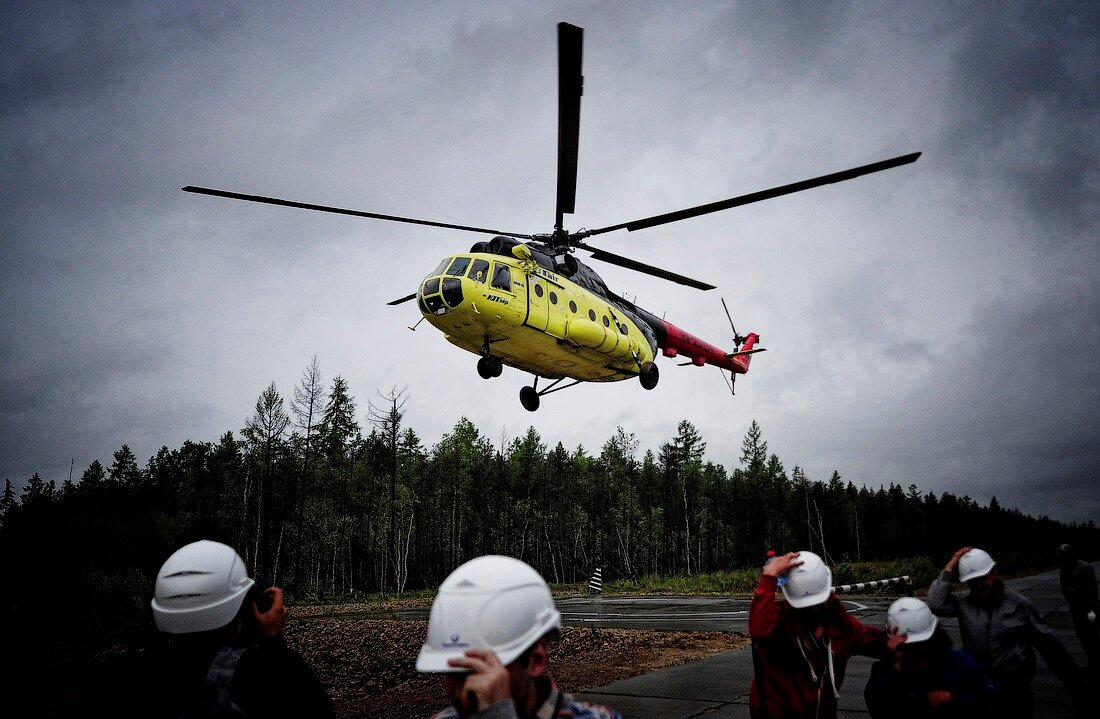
pixel 487 683
pixel 953 563
pixel 781 564
pixel 272 622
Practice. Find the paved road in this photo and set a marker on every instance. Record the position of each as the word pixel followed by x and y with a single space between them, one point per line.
pixel 717 687
pixel 679 613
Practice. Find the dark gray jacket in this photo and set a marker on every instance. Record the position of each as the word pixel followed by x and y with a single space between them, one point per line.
pixel 1004 638
pixel 1079 586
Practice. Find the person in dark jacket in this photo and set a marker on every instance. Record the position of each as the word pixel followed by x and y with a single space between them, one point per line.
pixel 801 645
pixel 925 678
pixel 222 651
pixel 1001 629
pixel 1078 583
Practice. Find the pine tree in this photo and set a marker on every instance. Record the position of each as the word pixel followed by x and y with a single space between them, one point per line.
pixel 124 470
pixel 264 433
pixel 7 500
pixel 94 475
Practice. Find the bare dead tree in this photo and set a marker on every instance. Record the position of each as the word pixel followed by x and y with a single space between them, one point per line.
pixel 387 419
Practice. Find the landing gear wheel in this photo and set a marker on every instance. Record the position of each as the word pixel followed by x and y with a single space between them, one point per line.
pixel 648 374
pixel 529 398
pixel 489 367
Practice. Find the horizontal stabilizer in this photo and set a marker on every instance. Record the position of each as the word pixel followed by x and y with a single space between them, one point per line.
pixel 742 353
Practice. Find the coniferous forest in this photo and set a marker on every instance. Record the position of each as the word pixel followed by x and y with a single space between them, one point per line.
pixel 332 500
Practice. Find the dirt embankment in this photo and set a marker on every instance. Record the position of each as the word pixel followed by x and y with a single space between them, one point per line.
pixel 368 664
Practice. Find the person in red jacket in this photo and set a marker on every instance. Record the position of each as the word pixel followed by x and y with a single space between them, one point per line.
pixel 801 645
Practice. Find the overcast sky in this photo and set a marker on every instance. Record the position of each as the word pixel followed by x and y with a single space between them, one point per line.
pixel 936 324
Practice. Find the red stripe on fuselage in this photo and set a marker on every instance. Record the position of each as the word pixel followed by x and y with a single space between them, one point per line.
pixel 683 343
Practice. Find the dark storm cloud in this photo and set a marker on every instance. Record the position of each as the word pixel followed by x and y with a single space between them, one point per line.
pixel 935 325
pixel 1027 110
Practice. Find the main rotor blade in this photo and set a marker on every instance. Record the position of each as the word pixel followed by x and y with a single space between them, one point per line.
pixel 642 267
pixel 570 88
pixel 758 196
pixel 406 298
pixel 342 211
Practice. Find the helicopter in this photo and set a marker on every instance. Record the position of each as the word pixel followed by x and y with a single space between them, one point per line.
pixel 526 301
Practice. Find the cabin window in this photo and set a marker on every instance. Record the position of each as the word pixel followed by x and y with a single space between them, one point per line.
pixel 592 315
pixel 572 306
pixel 553 297
pixel 538 290
pixel 442 266
pixel 431 286
pixel 458 268
pixel 622 328
pixel 479 271
pixel 502 278
pixel 606 322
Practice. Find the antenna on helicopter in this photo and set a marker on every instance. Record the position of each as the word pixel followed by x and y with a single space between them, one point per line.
pixel 729 382
pixel 413 328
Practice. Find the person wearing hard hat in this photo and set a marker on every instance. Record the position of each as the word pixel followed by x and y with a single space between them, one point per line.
pixel 1077 580
pixel 224 653
pixel 1002 629
pixel 801 644
pixel 488 635
pixel 924 677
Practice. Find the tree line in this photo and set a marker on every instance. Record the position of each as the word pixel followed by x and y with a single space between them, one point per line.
pixel 333 500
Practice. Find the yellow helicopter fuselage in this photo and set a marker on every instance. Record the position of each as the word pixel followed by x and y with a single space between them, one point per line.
pixel 533 319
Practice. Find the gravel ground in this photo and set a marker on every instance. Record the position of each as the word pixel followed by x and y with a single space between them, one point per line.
pixel 368 664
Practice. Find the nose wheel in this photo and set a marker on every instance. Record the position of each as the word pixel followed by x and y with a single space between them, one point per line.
pixel 489 367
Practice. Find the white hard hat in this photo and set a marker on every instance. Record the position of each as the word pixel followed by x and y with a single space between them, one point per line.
pixel 491 602
pixel 911 617
pixel 808 584
pixel 199 588
pixel 975 564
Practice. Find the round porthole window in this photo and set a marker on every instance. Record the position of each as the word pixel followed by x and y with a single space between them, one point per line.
pixel 572 306
pixel 538 290
pixel 592 315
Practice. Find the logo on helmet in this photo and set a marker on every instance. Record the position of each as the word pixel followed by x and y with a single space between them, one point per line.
pixel 455 643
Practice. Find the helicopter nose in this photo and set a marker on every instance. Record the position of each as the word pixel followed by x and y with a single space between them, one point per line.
pixel 439 295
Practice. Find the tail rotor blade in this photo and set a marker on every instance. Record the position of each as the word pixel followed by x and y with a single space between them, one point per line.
pixel 737 339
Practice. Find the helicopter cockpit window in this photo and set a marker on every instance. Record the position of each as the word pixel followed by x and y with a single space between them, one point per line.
pixel 502 278
pixel 458 267
pixel 479 271
pixel 452 291
pixel 442 266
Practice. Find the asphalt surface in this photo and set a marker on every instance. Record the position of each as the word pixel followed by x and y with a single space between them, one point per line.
pixel 718 687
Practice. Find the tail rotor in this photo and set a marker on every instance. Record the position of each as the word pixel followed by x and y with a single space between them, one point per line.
pixel 738 340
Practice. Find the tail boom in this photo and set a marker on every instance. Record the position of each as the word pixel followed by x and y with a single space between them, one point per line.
pixel 677 342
